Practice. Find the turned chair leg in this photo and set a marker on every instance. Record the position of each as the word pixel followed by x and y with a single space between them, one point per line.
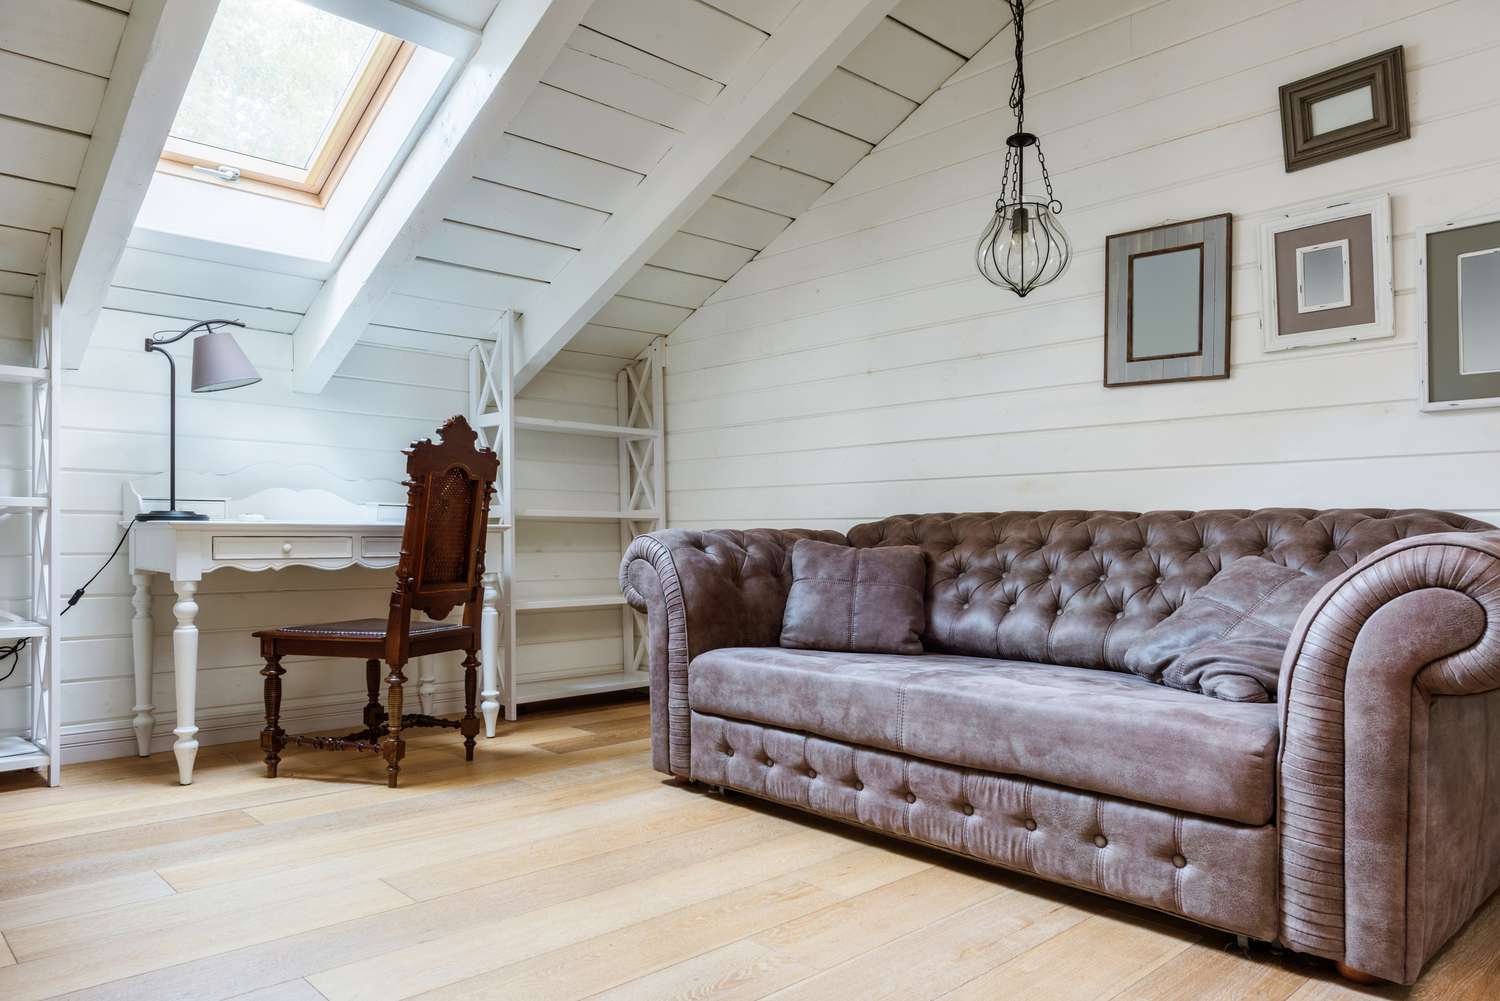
pixel 374 713
pixel 470 725
pixel 273 738
pixel 393 748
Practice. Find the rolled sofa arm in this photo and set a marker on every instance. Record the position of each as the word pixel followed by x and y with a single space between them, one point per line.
pixel 1390 736
pixel 702 591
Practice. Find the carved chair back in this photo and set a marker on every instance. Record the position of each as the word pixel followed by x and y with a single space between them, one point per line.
pixel 449 487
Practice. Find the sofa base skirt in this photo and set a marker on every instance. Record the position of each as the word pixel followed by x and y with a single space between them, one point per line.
pixel 1211 871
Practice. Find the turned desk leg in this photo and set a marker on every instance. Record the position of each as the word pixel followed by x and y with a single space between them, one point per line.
pixel 144 721
pixel 489 650
pixel 185 668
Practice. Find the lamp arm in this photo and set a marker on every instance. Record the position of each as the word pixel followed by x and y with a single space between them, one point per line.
pixel 154 341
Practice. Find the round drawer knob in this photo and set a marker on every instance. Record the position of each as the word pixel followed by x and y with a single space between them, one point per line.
pixel 286 547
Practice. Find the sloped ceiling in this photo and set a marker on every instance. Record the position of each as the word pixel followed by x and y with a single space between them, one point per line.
pixel 55 60
pixel 633 79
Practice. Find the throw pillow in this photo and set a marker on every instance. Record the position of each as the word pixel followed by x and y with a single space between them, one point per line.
pixel 1227 640
pixel 856 600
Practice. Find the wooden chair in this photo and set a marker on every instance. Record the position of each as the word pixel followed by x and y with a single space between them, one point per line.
pixel 442 565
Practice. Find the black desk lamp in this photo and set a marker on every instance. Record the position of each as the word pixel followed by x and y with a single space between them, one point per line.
pixel 218 363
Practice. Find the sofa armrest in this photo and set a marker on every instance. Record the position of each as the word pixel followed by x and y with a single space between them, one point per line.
pixel 702 591
pixel 1382 809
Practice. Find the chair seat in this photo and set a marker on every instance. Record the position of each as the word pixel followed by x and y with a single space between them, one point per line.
pixel 360 629
pixel 1103 731
pixel 365 638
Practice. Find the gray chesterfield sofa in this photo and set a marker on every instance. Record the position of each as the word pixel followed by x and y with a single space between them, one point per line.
pixel 1354 817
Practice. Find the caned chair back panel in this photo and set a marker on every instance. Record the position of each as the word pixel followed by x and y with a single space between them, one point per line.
pixel 449 486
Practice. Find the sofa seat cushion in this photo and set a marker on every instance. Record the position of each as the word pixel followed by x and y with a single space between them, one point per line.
pixel 1105 732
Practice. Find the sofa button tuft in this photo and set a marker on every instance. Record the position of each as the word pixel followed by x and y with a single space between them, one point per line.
pixel 1100 841
pixel 1030 824
pixel 968 809
pixel 1119 615
pixel 1179 861
pixel 911 797
pixel 811 774
pixel 729 752
pixel 859 786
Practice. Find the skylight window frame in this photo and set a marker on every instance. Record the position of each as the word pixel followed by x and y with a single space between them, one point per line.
pixel 357 111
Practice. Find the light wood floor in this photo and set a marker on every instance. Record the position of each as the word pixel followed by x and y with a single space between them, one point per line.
pixel 558 866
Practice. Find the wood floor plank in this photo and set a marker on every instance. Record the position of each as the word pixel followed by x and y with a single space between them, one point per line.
pixel 491 945
pixel 558 865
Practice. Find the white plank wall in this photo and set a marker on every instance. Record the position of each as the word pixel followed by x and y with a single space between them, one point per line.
pixel 859 368
pixel 383 397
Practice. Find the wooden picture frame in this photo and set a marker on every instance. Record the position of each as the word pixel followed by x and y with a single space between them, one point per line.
pixel 1363 106
pixel 1362 227
pixel 1442 383
pixel 1167 303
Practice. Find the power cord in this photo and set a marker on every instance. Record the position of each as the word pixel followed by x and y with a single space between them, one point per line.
pixel 12 652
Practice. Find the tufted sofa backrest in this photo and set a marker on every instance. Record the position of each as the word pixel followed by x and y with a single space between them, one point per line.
pixel 1078 587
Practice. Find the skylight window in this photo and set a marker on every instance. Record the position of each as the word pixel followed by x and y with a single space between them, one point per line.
pixel 282 94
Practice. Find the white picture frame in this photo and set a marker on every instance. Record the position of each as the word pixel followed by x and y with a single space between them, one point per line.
pixel 1303 306
pixel 1378 208
pixel 1424 387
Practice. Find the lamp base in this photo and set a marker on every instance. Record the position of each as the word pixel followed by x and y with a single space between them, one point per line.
pixel 171 516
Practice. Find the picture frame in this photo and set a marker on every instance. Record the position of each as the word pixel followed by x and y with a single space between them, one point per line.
pixel 1351 295
pixel 1167 303
pixel 1349 109
pixel 1458 349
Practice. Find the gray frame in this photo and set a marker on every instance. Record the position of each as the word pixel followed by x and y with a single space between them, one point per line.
pixel 1212 237
pixel 1442 385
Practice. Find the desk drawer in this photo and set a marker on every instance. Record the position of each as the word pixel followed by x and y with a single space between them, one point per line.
pixel 283 547
pixel 380 547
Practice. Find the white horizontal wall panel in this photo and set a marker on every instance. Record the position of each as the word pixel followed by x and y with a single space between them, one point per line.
pixel 813 148
pixel 468 286
pixel 512 210
pixel 203 279
pixel 570 122
pixel 856 106
pixel 601 69
pixel 72 33
pixel 50 95
pixel 613 341
pixel 903 60
pixel 639 314
pixel 676 288
pixel 961 25
pixel 766 15
pixel 773 187
pixel 557 173
pixel 699 255
pixel 732 222
pixel 22 249
pixel 478 247
pixel 39 153
pixel 686 32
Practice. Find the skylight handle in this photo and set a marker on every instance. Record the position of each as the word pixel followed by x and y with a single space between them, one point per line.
pixel 223 172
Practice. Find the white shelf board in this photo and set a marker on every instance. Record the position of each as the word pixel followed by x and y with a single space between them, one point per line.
pixel 547 514
pixel 15 628
pixel 17 753
pixel 565 688
pixel 19 503
pixel 568 604
pixel 22 373
pixel 492 420
pixel 582 428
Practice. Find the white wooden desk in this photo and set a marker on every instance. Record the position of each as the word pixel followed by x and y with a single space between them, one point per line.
pixel 340 534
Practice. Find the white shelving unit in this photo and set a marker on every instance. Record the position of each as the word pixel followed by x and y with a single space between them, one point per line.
pixel 639 399
pixel 37 746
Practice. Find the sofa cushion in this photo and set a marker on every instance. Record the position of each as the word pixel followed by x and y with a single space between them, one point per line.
pixel 864 600
pixel 1227 640
pixel 1105 732
pixel 1080 587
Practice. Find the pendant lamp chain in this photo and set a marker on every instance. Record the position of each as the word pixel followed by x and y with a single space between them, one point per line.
pixel 1023 247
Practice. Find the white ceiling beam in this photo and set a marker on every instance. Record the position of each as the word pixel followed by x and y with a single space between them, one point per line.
pixel 153 64
pixel 519 43
pixel 777 78
pixel 401 20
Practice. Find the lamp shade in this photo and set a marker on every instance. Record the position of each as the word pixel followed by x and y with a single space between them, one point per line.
pixel 219 363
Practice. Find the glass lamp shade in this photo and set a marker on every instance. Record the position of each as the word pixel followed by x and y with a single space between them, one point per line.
pixel 219 363
pixel 1023 246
